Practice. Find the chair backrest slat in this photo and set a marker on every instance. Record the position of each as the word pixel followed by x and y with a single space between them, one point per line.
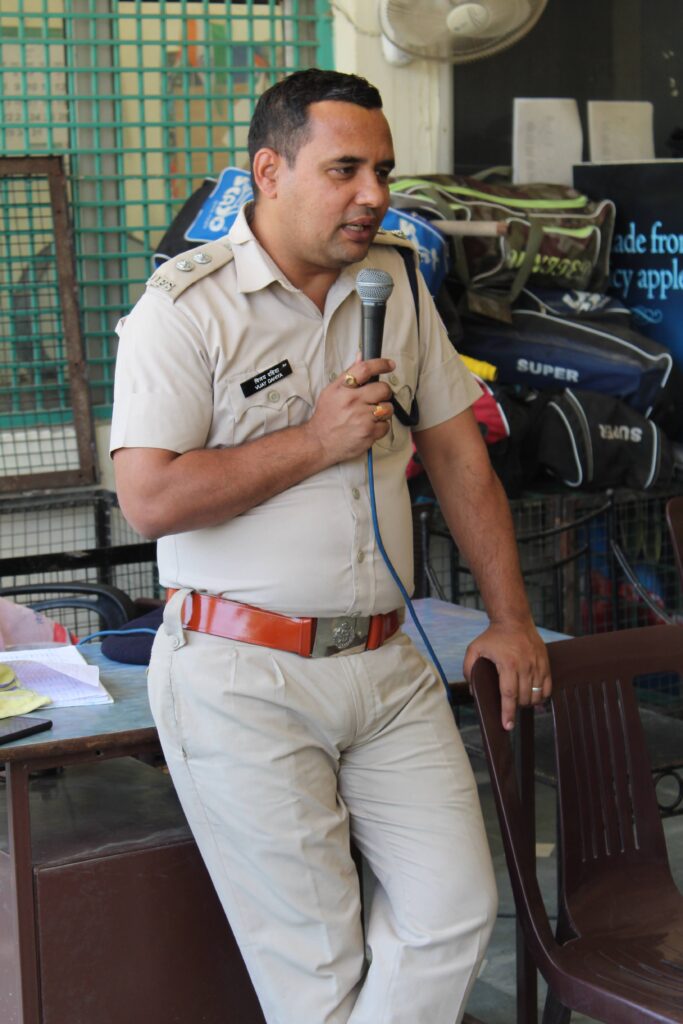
pixel 674 520
pixel 609 815
pixel 622 804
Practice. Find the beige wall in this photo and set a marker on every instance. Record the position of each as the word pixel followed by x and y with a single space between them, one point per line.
pixel 418 97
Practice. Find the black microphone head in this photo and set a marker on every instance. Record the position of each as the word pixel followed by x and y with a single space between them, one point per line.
pixel 374 286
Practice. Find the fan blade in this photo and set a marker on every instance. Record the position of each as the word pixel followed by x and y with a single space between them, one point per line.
pixel 418 22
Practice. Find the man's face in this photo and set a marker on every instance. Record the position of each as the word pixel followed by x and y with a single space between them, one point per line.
pixel 330 203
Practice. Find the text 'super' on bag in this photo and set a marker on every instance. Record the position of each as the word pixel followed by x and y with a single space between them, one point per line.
pixel 593 442
pixel 605 355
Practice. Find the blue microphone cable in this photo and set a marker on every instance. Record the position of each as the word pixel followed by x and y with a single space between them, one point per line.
pixel 397 579
pixel 116 632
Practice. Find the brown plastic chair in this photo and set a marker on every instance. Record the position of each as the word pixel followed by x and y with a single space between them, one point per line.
pixel 617 955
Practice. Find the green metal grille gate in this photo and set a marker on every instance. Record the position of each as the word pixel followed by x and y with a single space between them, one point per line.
pixel 42 372
pixel 142 99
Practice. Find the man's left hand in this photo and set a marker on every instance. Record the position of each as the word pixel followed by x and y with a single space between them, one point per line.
pixel 521 659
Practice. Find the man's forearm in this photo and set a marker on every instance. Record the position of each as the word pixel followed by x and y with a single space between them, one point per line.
pixel 477 512
pixel 481 524
pixel 162 492
pixel 478 515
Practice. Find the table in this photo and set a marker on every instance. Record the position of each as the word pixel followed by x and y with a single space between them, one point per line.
pixel 451 628
pixel 78 734
pixel 113 731
pixel 98 867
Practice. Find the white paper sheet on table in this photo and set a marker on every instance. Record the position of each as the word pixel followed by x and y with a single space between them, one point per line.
pixel 60 673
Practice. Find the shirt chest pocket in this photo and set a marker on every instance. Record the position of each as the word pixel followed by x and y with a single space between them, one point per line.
pixel 283 403
pixel 403 383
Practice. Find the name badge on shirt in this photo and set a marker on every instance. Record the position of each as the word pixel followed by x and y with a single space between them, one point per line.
pixel 266 378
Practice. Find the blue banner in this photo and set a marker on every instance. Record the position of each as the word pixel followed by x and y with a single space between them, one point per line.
pixel 220 209
pixel 646 261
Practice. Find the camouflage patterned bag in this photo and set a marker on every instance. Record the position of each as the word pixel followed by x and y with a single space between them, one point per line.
pixel 555 236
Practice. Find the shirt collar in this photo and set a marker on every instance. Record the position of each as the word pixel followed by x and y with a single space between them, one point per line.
pixel 254 267
pixel 256 270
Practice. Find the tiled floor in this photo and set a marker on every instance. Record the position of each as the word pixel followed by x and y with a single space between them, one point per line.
pixel 493 997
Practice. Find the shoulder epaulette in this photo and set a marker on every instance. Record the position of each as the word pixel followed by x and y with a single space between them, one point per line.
pixel 177 274
pixel 385 237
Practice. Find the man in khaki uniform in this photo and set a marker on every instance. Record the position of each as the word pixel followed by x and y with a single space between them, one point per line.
pixel 293 712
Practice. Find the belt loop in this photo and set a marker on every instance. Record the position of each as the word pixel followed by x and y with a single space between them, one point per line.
pixel 173 617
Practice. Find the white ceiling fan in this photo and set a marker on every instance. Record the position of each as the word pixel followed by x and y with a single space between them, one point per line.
pixel 453 30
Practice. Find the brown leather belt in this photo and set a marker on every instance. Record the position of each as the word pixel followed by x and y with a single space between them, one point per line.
pixel 311 638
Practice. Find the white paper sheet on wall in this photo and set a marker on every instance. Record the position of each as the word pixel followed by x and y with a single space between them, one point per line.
pixel 620 130
pixel 547 140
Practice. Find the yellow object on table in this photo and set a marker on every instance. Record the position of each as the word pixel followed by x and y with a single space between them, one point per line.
pixel 16 699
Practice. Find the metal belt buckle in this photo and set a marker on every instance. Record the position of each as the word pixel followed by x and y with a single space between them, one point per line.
pixel 340 633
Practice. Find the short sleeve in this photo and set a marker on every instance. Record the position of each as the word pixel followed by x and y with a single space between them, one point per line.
pixel 445 385
pixel 163 383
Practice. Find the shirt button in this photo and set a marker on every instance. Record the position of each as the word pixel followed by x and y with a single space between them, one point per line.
pixel 273 396
pixel 393 379
pixel 175 643
pixel 360 556
pixel 331 376
pixel 356 493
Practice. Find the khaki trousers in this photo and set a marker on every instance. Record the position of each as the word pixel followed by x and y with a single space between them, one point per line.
pixel 279 762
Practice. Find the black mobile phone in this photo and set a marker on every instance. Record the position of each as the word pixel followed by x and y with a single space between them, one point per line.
pixel 21 725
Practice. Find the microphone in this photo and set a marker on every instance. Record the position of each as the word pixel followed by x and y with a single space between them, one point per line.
pixel 374 288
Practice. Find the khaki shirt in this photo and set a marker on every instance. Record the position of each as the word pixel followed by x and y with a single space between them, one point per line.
pixel 310 550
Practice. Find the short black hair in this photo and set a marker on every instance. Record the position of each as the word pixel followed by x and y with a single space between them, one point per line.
pixel 280 120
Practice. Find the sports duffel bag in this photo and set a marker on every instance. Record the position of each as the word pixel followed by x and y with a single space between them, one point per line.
pixel 606 355
pixel 593 441
pixel 556 237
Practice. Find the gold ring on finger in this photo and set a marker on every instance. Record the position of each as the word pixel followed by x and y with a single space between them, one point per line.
pixel 350 381
pixel 537 689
